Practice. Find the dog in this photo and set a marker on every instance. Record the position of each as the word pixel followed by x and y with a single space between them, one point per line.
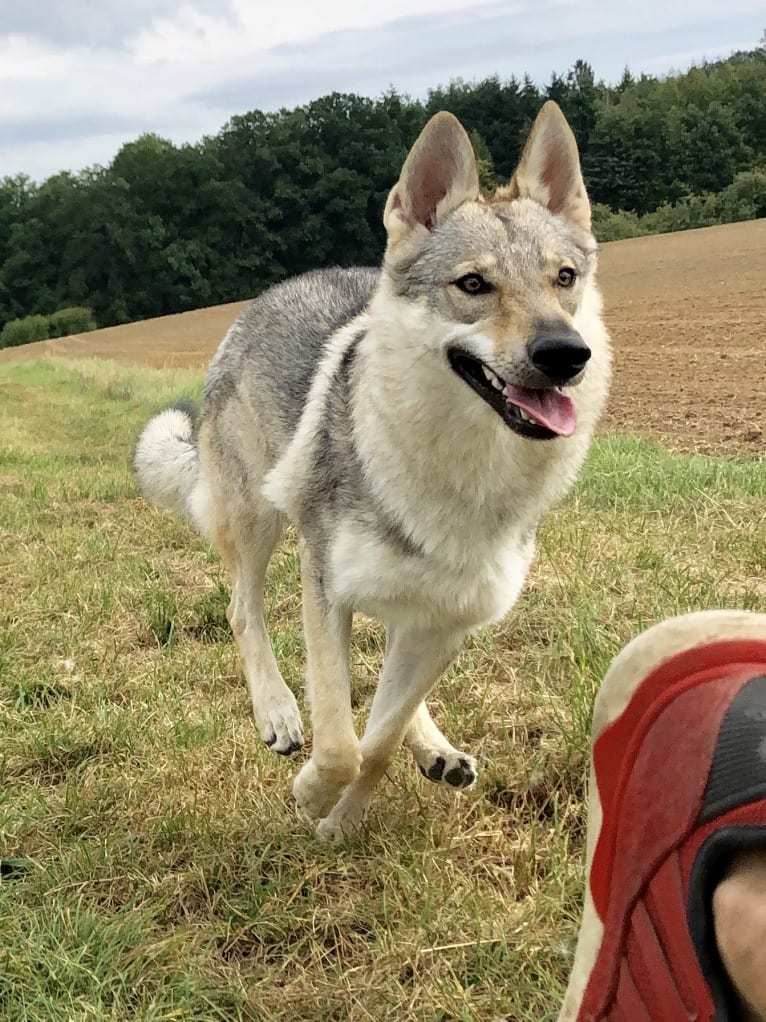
pixel 415 423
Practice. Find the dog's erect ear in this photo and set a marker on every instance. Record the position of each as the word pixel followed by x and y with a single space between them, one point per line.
pixel 438 175
pixel 549 169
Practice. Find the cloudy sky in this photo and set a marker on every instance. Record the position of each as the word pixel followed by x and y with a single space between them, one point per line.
pixel 78 78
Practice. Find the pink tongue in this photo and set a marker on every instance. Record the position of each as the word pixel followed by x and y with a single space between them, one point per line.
pixel 550 408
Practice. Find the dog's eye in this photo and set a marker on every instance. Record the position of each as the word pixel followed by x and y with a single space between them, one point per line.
pixel 473 284
pixel 567 276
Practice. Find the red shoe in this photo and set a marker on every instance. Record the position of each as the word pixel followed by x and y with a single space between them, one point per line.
pixel 678 782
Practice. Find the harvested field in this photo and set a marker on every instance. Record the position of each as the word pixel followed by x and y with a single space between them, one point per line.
pixel 688 316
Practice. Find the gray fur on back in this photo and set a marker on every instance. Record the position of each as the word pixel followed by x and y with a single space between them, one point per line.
pixel 274 347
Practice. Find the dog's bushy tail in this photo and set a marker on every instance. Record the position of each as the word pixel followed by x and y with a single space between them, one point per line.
pixel 165 461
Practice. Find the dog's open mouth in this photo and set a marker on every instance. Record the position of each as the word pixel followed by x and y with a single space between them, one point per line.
pixel 536 414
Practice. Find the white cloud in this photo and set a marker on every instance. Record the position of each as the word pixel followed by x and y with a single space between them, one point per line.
pixel 258 26
pixel 24 59
pixel 182 71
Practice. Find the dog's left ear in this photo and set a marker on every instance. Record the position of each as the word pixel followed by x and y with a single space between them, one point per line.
pixel 549 169
pixel 438 175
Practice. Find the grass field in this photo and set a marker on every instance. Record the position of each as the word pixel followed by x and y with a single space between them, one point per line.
pixel 153 864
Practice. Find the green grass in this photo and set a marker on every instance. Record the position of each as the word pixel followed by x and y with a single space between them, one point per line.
pixel 154 866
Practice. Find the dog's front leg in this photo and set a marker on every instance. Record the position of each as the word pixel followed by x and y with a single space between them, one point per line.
pixel 414 660
pixel 436 758
pixel 335 755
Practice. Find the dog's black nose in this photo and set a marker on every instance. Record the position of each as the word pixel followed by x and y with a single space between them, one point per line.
pixel 559 354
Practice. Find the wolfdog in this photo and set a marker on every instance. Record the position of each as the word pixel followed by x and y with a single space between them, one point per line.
pixel 415 423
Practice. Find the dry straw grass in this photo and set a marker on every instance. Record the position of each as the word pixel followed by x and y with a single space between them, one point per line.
pixel 154 866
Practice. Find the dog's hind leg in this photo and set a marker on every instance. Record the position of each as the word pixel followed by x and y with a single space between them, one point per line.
pixel 414 661
pixel 436 758
pixel 246 547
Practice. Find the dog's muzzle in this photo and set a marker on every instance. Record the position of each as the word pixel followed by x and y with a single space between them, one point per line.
pixel 541 413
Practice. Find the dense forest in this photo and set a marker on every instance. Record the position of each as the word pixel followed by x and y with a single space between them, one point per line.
pixel 166 228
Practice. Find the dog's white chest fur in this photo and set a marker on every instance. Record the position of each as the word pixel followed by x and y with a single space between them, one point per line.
pixel 368 574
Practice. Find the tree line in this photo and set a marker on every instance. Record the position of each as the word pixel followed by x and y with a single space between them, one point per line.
pixel 167 228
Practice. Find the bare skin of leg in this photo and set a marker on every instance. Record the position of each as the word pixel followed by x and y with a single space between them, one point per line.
pixel 739 912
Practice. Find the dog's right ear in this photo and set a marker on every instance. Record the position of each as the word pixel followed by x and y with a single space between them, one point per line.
pixel 438 175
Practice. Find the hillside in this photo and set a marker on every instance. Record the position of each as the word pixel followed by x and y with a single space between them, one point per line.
pixel 687 312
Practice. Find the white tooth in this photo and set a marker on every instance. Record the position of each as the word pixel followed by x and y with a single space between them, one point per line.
pixel 492 377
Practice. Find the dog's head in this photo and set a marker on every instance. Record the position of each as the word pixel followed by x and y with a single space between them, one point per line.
pixel 505 275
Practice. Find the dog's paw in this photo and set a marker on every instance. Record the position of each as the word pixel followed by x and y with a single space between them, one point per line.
pixel 341 823
pixel 452 769
pixel 316 793
pixel 281 727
